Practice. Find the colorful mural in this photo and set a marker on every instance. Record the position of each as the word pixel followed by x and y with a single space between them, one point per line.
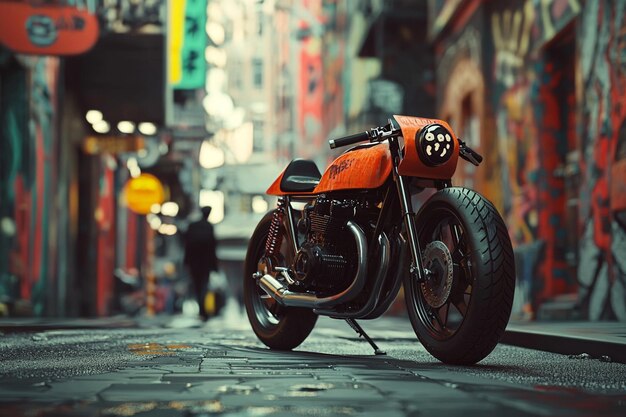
pixel 333 66
pixel 552 75
pixel 105 220
pixel 27 182
pixel 534 97
pixel 311 87
pixel 38 219
pixel 602 270
pixel 321 72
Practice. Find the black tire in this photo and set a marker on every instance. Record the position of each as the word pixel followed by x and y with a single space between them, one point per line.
pixel 469 324
pixel 278 327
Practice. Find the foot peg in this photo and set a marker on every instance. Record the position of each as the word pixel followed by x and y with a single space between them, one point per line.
pixel 359 330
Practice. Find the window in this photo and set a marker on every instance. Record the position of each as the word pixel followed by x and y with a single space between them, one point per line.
pixel 257 72
pixel 259 22
pixel 257 136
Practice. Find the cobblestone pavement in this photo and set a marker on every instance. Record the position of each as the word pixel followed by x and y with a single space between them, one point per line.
pixel 221 369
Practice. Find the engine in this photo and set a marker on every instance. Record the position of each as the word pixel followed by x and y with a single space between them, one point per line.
pixel 326 262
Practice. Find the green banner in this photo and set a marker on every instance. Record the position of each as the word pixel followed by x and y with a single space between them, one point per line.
pixel 194 40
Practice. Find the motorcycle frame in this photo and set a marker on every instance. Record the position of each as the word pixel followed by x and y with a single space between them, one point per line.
pixel 403 196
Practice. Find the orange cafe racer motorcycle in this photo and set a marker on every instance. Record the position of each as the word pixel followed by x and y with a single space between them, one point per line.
pixel 357 240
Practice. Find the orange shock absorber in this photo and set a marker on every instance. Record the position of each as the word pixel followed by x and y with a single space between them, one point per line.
pixel 274 237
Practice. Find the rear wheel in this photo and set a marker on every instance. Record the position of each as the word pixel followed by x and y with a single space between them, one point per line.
pixel 461 311
pixel 277 326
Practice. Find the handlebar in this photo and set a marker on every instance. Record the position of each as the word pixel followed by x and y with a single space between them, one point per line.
pixel 376 134
pixel 349 140
pixel 379 134
pixel 469 154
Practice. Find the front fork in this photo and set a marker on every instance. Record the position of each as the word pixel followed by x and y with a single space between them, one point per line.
pixel 418 271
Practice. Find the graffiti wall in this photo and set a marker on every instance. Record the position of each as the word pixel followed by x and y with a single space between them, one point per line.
pixel 311 87
pixel 538 86
pixel 321 70
pixel 27 182
pixel 334 41
pixel 534 107
pixel 602 268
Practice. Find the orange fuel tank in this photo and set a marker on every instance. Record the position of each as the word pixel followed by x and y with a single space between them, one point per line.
pixel 363 168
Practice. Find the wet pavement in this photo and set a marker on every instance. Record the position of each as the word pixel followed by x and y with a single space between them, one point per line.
pixel 187 369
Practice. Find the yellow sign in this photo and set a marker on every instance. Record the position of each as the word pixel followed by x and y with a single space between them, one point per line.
pixel 177 32
pixel 143 192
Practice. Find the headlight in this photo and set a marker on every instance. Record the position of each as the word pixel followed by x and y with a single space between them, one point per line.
pixel 434 144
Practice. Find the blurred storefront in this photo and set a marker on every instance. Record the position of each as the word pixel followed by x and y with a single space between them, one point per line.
pixel 38 169
pixel 30 181
pixel 539 87
pixel 66 77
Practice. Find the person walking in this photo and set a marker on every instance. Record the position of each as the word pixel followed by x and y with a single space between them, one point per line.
pixel 200 257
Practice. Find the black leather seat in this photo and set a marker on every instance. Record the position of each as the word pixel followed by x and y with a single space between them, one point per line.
pixel 300 175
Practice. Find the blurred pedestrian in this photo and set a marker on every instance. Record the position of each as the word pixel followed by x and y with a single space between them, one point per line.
pixel 200 257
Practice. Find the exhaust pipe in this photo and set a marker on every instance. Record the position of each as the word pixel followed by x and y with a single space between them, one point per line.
pixel 379 280
pixel 283 296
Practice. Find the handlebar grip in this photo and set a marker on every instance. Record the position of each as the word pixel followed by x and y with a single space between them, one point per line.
pixel 477 156
pixel 348 140
pixel 470 155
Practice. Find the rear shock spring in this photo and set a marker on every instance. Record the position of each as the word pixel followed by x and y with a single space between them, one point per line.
pixel 274 237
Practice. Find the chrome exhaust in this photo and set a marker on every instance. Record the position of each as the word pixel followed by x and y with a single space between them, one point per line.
pixel 283 296
pixel 379 280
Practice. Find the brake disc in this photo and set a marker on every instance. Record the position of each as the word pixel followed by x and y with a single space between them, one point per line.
pixel 437 286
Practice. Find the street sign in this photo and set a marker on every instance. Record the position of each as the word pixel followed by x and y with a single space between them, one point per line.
pixel 94 145
pixel 187 42
pixel 47 29
pixel 142 192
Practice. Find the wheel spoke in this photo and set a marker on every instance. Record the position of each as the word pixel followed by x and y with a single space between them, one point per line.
pixel 274 309
pixel 435 319
pixel 468 290
pixel 461 305
pixel 457 251
pixel 462 289
pixel 460 258
pixel 436 232
pixel 269 302
pixel 450 238
pixel 462 275
pixel 443 313
pixel 445 232
pixel 436 314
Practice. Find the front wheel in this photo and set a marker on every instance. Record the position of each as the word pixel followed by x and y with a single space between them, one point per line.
pixel 278 327
pixel 461 310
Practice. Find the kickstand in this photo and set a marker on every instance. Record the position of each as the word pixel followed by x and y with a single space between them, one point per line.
pixel 359 330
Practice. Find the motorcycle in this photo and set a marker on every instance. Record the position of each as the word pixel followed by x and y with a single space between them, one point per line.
pixel 357 240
